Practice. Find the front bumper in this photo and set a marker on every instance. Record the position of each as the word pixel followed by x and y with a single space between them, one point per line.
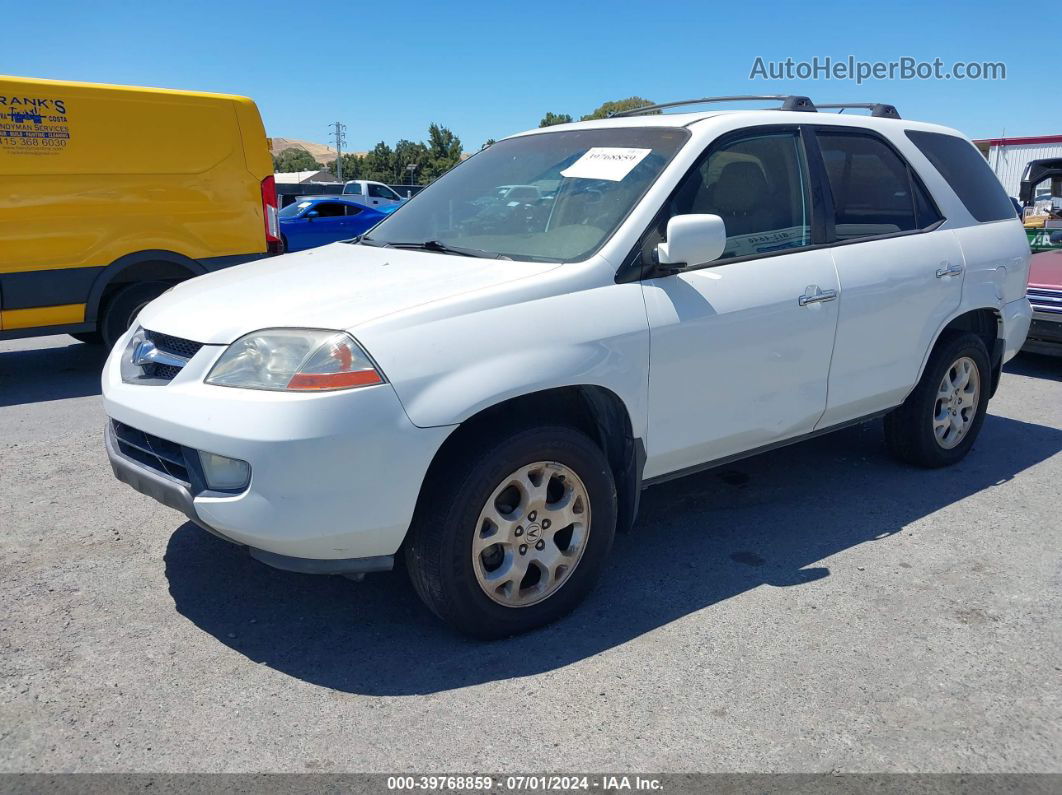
pixel 334 476
pixel 175 494
pixel 1045 334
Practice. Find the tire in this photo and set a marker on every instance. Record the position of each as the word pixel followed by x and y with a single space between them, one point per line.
pixel 555 466
pixel 123 306
pixel 911 430
pixel 89 337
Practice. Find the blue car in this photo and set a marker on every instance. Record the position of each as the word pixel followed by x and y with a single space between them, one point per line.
pixel 316 220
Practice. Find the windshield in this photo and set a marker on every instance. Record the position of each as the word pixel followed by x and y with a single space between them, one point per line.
pixel 294 209
pixel 552 196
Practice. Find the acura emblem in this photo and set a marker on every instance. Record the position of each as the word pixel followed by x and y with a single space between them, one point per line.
pixel 146 353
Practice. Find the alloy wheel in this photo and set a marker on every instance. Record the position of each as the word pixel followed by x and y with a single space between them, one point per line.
pixel 956 404
pixel 531 534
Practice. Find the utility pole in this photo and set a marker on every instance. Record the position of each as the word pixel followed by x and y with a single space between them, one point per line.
pixel 339 135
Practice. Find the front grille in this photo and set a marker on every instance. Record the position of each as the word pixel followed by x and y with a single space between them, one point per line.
pixel 164 371
pixel 155 372
pixel 153 452
pixel 174 345
pixel 1045 300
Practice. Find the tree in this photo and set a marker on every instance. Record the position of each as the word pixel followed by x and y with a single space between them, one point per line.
pixel 488 142
pixel 552 118
pixel 439 154
pixel 379 164
pixel 617 105
pixel 293 159
pixel 444 151
pixel 411 161
pixel 352 165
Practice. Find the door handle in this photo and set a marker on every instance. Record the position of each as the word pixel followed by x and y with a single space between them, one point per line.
pixel 817 298
pixel 948 270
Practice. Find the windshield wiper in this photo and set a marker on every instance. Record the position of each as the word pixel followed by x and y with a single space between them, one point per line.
pixel 367 241
pixel 446 248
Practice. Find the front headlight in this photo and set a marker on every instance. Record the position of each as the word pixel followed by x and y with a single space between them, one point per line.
pixel 296 360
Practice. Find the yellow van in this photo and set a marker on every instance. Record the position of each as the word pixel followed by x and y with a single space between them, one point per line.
pixel 111 194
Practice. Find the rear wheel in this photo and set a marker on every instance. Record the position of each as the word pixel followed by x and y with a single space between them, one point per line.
pixel 938 423
pixel 123 306
pixel 514 536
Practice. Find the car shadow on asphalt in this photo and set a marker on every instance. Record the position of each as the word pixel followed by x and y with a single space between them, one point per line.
pixel 36 375
pixel 768 521
pixel 1035 365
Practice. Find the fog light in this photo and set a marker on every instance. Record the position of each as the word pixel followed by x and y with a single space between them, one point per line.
pixel 223 473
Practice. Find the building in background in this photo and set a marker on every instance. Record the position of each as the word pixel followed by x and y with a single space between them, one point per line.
pixel 1009 156
pixel 298 177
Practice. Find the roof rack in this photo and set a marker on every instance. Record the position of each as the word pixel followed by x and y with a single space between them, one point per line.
pixel 879 109
pixel 789 102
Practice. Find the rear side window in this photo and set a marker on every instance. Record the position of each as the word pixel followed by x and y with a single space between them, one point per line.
pixel 353 189
pixel 967 172
pixel 874 191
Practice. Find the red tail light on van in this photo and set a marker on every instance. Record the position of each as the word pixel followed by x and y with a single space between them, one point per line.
pixel 270 213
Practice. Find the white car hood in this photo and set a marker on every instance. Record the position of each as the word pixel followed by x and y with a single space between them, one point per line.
pixel 338 286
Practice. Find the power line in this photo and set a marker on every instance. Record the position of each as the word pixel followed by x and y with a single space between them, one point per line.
pixel 339 135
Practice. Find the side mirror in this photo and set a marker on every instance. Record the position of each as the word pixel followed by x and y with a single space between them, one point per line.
pixel 312 214
pixel 692 240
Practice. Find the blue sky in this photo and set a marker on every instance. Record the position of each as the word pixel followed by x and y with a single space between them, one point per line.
pixel 486 70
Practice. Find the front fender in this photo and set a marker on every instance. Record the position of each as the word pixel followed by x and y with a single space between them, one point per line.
pixel 447 369
pixel 458 395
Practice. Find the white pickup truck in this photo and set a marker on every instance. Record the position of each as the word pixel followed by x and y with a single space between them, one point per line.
pixel 372 194
pixel 486 387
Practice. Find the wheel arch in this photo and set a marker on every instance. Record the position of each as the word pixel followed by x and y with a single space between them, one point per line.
pixel 139 266
pixel 595 410
pixel 987 323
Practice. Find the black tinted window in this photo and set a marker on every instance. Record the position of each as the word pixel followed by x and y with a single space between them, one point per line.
pixel 967 172
pixel 381 192
pixel 759 187
pixel 871 187
pixel 330 209
pixel 926 212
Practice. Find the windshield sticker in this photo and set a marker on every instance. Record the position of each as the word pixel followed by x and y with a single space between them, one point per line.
pixel 33 125
pixel 606 162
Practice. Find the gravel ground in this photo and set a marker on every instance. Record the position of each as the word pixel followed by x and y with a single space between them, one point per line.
pixel 817 608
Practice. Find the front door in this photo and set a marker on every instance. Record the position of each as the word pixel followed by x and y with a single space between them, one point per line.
pixel 740 350
pixel 382 196
pixel 330 224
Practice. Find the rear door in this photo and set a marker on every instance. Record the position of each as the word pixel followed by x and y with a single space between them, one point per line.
pixel 900 275
pixel 741 348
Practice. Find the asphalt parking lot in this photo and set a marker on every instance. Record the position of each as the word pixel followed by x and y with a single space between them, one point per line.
pixel 817 608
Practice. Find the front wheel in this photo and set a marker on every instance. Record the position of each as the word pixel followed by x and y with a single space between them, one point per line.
pixel 514 536
pixel 938 423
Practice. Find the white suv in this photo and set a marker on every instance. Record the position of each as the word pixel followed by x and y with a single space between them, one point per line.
pixel 487 386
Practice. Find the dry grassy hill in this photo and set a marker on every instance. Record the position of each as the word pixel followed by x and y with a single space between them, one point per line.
pixel 322 153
